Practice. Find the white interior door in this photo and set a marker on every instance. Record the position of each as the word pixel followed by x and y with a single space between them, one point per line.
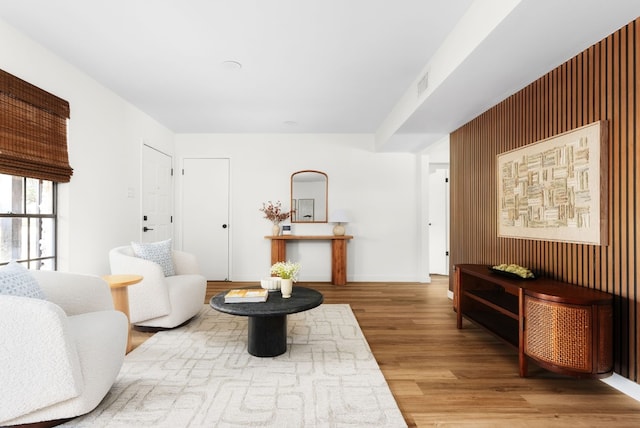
pixel 439 221
pixel 205 207
pixel 157 185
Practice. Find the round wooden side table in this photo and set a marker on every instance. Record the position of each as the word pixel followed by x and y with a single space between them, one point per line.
pixel 120 296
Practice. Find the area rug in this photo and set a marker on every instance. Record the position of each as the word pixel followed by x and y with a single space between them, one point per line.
pixel 201 375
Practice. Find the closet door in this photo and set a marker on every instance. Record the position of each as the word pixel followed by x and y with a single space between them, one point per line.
pixel 439 221
pixel 205 208
pixel 157 189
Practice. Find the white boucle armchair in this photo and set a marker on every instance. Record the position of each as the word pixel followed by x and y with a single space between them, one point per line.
pixel 160 301
pixel 60 356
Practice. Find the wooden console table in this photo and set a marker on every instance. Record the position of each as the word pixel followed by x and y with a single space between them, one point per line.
pixel 563 327
pixel 338 252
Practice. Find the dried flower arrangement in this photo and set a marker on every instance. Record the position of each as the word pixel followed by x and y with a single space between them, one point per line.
pixel 274 213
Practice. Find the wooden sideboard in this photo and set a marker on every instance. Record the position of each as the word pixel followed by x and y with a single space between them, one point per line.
pixel 338 252
pixel 563 327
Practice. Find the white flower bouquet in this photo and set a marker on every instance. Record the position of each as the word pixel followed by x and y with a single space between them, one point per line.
pixel 286 270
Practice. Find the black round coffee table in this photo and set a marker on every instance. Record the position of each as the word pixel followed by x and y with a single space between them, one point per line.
pixel 267 335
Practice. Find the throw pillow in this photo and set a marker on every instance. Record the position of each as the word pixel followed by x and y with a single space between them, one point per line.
pixel 157 252
pixel 16 280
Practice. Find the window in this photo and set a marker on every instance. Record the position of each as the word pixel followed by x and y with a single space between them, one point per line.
pixel 28 221
pixel 33 158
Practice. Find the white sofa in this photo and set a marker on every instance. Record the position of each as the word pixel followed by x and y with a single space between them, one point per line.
pixel 60 356
pixel 159 301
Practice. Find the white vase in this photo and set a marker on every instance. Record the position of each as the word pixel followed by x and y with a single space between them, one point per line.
pixel 272 283
pixel 275 230
pixel 286 286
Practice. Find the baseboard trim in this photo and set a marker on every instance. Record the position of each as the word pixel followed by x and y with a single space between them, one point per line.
pixel 622 384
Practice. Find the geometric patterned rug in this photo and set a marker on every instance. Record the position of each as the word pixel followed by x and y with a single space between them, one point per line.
pixel 201 375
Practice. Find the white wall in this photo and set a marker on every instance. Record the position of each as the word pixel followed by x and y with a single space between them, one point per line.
pixel 438 151
pixel 105 135
pixel 378 191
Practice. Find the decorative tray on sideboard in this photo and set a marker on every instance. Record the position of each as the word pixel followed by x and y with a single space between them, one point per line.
pixel 510 274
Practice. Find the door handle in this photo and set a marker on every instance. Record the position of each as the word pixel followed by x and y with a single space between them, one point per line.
pixel 146 229
pixel 224 226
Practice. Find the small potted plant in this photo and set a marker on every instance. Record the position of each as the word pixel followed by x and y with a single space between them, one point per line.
pixel 273 212
pixel 288 273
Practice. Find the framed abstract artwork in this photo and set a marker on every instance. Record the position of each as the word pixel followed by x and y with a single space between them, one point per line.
pixel 556 189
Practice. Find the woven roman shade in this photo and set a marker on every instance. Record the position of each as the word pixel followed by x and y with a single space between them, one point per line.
pixel 33 131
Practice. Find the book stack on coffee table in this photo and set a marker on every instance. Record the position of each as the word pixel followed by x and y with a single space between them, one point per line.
pixel 252 295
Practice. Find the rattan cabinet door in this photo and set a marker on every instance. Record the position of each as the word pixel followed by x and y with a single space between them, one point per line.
pixel 558 335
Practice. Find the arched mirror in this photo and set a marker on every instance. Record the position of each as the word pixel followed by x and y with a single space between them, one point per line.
pixel 309 196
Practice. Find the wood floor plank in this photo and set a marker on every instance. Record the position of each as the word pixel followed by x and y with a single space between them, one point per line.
pixel 445 377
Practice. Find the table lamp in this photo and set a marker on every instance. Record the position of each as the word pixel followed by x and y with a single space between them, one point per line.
pixel 339 217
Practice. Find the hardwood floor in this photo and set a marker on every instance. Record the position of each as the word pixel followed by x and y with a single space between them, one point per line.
pixel 445 377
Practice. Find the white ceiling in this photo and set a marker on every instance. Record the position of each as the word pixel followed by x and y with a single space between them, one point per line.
pixel 329 66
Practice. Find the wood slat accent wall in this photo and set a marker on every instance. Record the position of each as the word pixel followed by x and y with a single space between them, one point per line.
pixel 600 83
